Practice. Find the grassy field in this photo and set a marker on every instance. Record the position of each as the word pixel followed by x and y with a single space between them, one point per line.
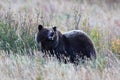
pixel 18 24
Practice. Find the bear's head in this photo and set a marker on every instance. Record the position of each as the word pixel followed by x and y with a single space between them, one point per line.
pixel 47 38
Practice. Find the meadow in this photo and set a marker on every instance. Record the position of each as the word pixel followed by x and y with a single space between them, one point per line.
pixel 19 55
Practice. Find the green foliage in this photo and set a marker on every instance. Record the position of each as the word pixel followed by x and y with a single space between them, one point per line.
pixel 10 41
pixel 116 46
pixel 7 37
pixel 39 78
pixel 101 63
pixel 96 37
pixel 26 43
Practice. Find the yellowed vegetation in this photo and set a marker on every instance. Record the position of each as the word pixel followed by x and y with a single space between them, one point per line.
pixel 116 46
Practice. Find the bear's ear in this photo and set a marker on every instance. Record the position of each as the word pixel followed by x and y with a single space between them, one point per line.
pixel 40 27
pixel 54 28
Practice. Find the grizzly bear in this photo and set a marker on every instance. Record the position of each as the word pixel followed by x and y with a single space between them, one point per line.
pixel 71 46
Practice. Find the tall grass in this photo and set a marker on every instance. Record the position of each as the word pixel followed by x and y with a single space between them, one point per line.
pixel 18 25
pixel 16 67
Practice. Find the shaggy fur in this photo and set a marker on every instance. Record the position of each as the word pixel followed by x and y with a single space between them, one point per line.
pixel 71 46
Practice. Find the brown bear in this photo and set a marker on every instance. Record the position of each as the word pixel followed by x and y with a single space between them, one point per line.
pixel 71 46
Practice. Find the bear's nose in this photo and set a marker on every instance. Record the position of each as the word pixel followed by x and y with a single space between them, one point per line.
pixel 50 38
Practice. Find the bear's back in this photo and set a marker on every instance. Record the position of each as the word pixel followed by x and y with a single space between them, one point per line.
pixel 79 41
pixel 75 35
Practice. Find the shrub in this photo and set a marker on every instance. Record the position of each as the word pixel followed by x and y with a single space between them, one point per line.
pixel 10 41
pixel 116 46
pixel 96 37
pixel 8 37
